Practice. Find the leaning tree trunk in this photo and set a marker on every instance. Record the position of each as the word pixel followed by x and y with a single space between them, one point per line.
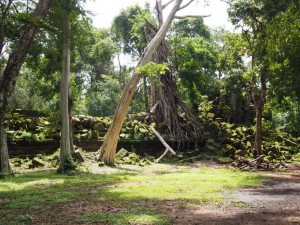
pixel 108 149
pixel 11 73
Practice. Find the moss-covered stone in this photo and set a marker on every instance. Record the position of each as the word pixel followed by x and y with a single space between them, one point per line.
pixel 121 154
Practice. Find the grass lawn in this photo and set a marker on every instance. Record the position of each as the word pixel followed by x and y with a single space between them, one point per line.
pixel 121 195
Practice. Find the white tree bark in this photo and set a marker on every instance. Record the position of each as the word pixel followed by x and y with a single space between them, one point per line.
pixel 108 149
pixel 65 151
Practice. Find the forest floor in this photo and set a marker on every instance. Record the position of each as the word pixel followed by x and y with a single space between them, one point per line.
pixel 129 195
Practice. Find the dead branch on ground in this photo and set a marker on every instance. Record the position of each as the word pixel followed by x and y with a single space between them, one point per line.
pixel 256 164
pixel 168 148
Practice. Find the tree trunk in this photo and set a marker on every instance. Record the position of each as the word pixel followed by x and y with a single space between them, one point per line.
pixel 153 94
pixel 65 151
pixel 5 167
pixel 146 94
pixel 258 133
pixel 168 96
pixel 167 107
pixel 11 72
pixel 72 149
pixel 298 113
pixel 259 99
pixel 108 149
pixel 153 86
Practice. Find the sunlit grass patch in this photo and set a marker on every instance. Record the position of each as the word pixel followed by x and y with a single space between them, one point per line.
pixel 9 186
pixel 141 216
pixel 200 185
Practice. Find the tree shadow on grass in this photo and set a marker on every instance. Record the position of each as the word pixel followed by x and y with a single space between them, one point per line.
pixel 37 191
pixel 39 198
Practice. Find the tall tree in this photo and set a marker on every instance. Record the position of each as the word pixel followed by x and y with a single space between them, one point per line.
pixel 246 15
pixel 167 99
pixel 10 74
pixel 283 47
pixel 253 18
pixel 108 148
pixel 65 145
pixel 91 56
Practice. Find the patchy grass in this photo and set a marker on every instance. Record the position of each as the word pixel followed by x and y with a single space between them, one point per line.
pixel 139 215
pixel 198 185
pixel 124 195
pixel 34 190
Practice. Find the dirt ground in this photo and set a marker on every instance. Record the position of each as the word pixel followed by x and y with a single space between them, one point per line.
pixel 276 202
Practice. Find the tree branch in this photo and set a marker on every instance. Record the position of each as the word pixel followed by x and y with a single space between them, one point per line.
pixel 168 3
pixel 150 25
pixel 191 16
pixel 153 109
pixel 186 5
pixel 2 21
pixel 225 2
pixel 168 148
